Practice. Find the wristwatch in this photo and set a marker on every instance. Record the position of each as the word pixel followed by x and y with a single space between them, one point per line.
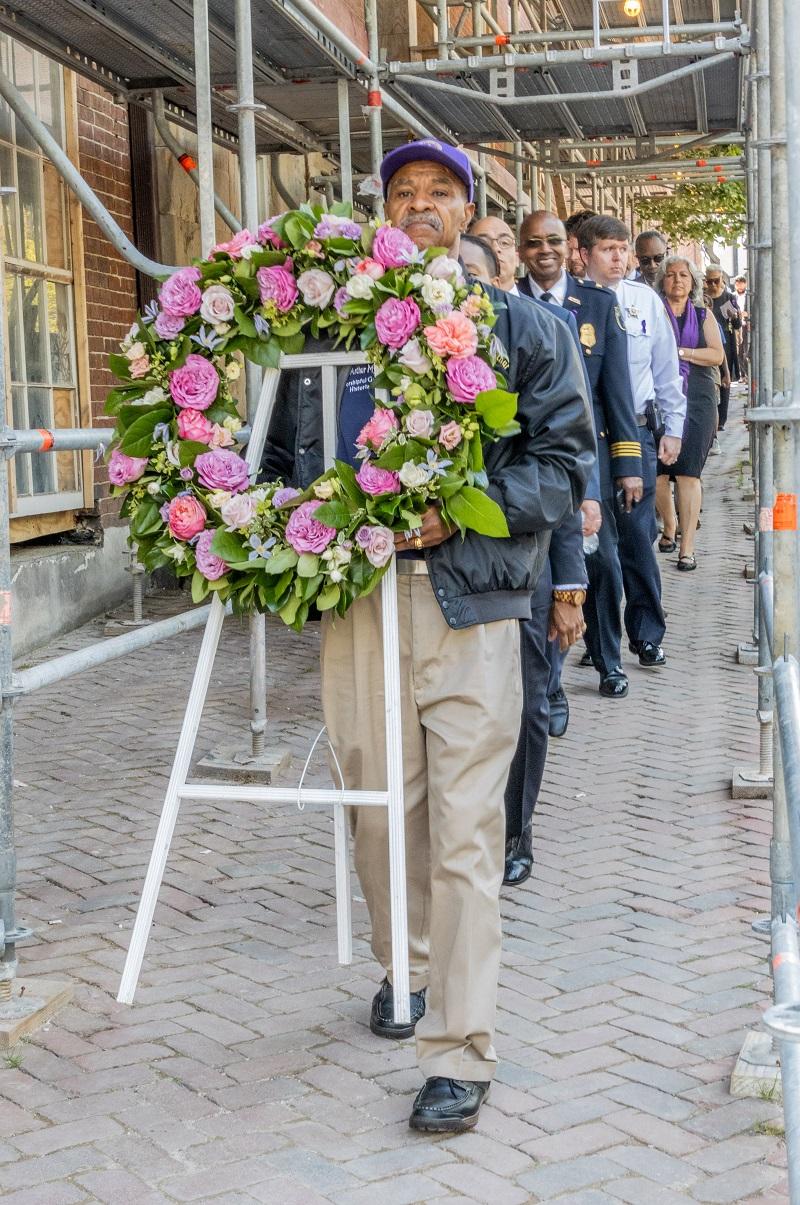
pixel 576 597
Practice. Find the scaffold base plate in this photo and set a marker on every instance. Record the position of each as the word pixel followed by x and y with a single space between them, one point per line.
pixel 33 1002
pixel 237 764
pixel 747 654
pixel 748 783
pixel 757 1072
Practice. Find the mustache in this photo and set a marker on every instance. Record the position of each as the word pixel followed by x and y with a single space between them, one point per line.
pixel 422 219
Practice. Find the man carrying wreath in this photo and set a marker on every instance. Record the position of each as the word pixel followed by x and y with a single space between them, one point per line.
pixel 460 601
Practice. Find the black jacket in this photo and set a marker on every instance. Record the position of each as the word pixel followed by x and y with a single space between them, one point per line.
pixel 538 477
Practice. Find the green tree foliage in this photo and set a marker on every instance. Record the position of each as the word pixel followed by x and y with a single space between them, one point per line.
pixel 704 212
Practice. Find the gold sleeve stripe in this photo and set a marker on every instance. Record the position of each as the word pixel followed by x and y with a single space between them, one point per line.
pixel 626 449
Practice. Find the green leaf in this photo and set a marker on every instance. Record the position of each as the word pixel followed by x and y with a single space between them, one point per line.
pixel 477 511
pixel 120 365
pixel 138 438
pixel 310 586
pixel 228 546
pixel 367 336
pixel 264 352
pixel 347 476
pixel 147 519
pixel 189 450
pixel 292 345
pixel 333 514
pixel 497 407
pixel 245 323
pixel 308 565
pixel 290 609
pixel 285 559
pixel 328 597
pixel 199 587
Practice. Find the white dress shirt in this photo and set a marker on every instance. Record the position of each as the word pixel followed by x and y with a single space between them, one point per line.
pixel 557 293
pixel 652 354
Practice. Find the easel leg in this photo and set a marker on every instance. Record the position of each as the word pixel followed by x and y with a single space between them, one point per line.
pixel 344 917
pixel 172 801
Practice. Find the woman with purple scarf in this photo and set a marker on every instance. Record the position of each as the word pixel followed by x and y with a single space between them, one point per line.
pixel 700 353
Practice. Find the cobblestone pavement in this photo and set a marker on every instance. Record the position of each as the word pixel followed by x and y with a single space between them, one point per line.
pixel 246 1072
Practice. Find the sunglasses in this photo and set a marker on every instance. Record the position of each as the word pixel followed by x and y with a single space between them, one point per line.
pixel 651 259
pixel 552 241
pixel 713 280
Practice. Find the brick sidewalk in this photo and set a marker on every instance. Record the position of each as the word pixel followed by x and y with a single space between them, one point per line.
pixel 245 1071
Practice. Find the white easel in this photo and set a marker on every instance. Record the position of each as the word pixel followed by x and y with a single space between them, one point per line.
pixel 392 798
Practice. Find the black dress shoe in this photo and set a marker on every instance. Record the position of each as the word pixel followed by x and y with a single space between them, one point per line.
pixel 448 1105
pixel 381 1017
pixel 559 712
pixel 519 858
pixel 586 660
pixel 614 685
pixel 650 655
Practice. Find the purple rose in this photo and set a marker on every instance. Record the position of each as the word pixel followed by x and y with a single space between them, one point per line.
pixel 331 226
pixel 393 248
pixel 376 481
pixel 122 469
pixel 195 384
pixel 468 377
pixel 222 470
pixel 396 321
pixel 211 566
pixel 340 299
pixel 305 533
pixel 168 326
pixel 179 294
pixel 377 543
pixel 284 494
pixel 279 285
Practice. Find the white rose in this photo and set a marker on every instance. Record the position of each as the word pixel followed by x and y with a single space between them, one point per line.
pixel 412 475
pixel 419 423
pixel 317 287
pixel 136 351
pixel 233 370
pixel 132 334
pixel 324 490
pixel 438 294
pixel 154 488
pixel 249 249
pixel 237 511
pixel 445 268
pixel 218 498
pixel 360 286
pixel 217 305
pixel 416 279
pixel 152 396
pixel 413 358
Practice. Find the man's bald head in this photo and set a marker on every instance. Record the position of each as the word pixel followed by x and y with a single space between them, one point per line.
pixel 503 241
pixel 543 247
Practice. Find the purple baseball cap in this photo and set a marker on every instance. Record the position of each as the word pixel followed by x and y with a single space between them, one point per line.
pixel 428 148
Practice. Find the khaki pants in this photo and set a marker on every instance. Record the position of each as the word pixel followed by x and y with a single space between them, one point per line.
pixel 461 703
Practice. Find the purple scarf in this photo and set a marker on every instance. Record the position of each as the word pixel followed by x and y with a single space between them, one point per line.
pixel 689 336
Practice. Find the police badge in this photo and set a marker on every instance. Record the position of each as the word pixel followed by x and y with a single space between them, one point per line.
pixel 587 336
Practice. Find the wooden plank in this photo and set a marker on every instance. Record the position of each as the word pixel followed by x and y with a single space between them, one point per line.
pixel 46 995
pixel 34 527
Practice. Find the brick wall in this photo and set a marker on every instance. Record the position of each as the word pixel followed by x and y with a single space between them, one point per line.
pixel 110 282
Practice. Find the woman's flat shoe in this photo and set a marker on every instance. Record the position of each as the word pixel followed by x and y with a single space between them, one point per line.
pixel 665 545
pixel 687 563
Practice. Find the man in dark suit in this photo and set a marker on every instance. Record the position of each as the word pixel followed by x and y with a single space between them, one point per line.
pixel 543 249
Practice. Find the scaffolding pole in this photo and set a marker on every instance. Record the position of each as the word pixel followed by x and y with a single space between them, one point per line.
pixel 205 127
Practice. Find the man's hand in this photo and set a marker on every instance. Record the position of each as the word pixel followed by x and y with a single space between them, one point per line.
pixel 432 532
pixel 591 517
pixel 633 488
pixel 566 623
pixel 669 449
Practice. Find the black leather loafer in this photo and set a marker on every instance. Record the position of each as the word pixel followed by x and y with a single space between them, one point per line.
pixel 381 1018
pixel 559 712
pixel 650 655
pixel 448 1105
pixel 614 685
pixel 519 859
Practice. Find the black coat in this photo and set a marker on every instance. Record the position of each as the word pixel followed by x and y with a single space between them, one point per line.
pixel 538 477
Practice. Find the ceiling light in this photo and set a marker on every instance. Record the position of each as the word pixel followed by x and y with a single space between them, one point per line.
pixel 632 8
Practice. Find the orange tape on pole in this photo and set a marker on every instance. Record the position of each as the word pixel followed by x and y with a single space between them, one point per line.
pixel 187 162
pixel 48 439
pixel 784 513
pixel 374 100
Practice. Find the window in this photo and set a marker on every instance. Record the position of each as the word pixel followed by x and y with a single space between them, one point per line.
pixel 39 294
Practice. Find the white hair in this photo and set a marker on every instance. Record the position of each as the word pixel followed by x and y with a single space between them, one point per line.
pixel 696 295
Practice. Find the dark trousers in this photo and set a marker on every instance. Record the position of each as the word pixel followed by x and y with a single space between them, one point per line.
pixel 527 768
pixel 722 407
pixel 556 659
pixel 601 611
pixel 641 579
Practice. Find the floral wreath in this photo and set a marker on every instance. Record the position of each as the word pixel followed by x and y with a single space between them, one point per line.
pixel 270 547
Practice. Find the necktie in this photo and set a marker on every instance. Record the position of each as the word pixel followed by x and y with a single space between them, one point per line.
pixel 546 297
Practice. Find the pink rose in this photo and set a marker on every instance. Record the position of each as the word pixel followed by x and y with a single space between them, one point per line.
pixel 396 321
pixel 122 469
pixel 419 423
pixel 221 437
pixel 393 248
pixel 377 543
pixel 471 306
pixel 140 367
pixel 267 236
pixel 235 246
pixel 370 267
pixel 305 533
pixel 218 305
pixel 373 433
pixel 194 426
pixel 317 287
pixel 453 335
pixel 222 470
pixel 179 294
pixel 185 517
pixel 445 268
pixel 376 481
pixel 413 358
pixel 279 285
pixel 195 384
pixel 167 326
pixel 237 511
pixel 450 436
pixel 210 565
pixel 468 377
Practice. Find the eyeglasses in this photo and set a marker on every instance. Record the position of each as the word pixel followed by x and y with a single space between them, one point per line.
pixel 505 242
pixel 713 280
pixel 552 241
pixel 646 260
